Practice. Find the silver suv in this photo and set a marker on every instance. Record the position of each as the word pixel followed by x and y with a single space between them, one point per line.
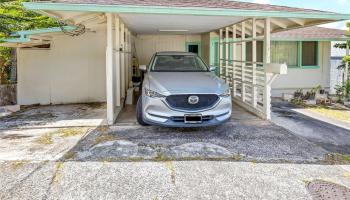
pixel 180 90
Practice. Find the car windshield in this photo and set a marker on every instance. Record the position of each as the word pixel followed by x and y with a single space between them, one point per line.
pixel 178 63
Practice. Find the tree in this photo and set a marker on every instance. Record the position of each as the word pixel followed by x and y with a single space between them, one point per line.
pixel 346 59
pixel 14 17
pixel 343 90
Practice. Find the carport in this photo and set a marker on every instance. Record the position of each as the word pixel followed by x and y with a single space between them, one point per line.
pixel 239 26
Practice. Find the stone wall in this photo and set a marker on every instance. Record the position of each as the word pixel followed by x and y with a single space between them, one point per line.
pixel 8 94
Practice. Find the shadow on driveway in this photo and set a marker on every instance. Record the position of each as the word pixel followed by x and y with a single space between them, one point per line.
pixel 326 135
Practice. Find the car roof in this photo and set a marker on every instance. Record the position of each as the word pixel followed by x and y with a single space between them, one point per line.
pixel 175 53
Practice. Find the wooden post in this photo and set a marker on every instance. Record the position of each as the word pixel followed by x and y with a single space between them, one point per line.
pixel 130 60
pixel 234 57
pixel 243 59
pixel 226 54
pixel 221 49
pixel 122 59
pixel 346 70
pixel 126 58
pixel 117 61
pixel 267 60
pixel 110 71
pixel 254 60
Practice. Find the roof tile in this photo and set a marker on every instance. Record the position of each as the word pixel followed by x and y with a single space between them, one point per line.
pixel 313 32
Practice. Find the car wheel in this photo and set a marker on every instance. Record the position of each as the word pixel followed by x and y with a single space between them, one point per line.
pixel 139 112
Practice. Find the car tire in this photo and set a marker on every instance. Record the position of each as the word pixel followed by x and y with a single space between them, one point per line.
pixel 139 112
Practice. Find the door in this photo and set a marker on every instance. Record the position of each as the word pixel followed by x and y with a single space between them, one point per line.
pixel 194 47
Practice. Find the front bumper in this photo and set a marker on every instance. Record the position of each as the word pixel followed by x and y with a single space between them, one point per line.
pixel 157 112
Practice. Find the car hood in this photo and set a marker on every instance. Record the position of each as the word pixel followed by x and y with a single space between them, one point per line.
pixel 186 82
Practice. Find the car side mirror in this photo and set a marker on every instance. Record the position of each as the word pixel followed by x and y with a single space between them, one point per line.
pixel 212 68
pixel 143 68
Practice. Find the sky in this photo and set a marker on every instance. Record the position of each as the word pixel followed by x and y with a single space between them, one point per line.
pixel 339 6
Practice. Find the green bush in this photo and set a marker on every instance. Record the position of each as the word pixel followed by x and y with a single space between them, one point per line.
pixel 343 91
pixel 14 17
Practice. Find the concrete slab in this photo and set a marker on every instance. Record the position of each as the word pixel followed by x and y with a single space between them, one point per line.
pixel 163 180
pixel 61 152
pixel 47 132
pixel 245 137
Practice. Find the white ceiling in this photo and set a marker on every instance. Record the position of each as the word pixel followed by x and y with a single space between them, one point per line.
pixel 152 23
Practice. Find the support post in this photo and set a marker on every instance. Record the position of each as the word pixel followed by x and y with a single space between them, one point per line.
pixel 243 59
pixel 130 60
pixel 117 61
pixel 122 59
pixel 254 60
pixel 110 71
pixel 126 59
pixel 221 48
pixel 234 57
pixel 346 71
pixel 226 54
pixel 268 76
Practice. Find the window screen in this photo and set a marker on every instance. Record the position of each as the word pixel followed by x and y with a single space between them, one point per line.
pixel 309 53
pixel 284 52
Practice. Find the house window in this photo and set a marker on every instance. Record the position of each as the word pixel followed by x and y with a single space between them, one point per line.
pixel 309 54
pixel 285 52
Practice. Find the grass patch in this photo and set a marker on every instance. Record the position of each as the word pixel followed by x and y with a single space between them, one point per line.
pixel 103 129
pixel 161 158
pixel 164 158
pixel 342 115
pixel 70 132
pixel 70 155
pixel 104 138
pixel 135 159
pixel 58 175
pixel 45 139
pixel 63 132
pixel 338 158
pixel 171 168
pixel 18 164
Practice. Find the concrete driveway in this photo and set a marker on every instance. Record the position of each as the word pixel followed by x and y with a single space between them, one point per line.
pixel 47 132
pixel 244 138
pixel 66 152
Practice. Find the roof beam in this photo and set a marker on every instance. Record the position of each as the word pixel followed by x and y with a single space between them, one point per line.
pixel 279 23
pixel 259 28
pixel 300 22
pixel 81 19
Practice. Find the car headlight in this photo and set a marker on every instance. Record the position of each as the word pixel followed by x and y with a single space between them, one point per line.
pixel 227 93
pixel 153 94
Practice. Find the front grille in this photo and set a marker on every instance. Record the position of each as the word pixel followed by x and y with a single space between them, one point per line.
pixel 182 119
pixel 181 101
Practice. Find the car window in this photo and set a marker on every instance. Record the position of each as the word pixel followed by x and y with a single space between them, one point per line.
pixel 178 63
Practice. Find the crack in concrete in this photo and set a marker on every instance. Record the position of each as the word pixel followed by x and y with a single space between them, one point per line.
pixel 56 175
pixel 171 168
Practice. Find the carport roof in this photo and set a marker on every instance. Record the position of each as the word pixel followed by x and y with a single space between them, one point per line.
pixel 192 3
pixel 185 7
